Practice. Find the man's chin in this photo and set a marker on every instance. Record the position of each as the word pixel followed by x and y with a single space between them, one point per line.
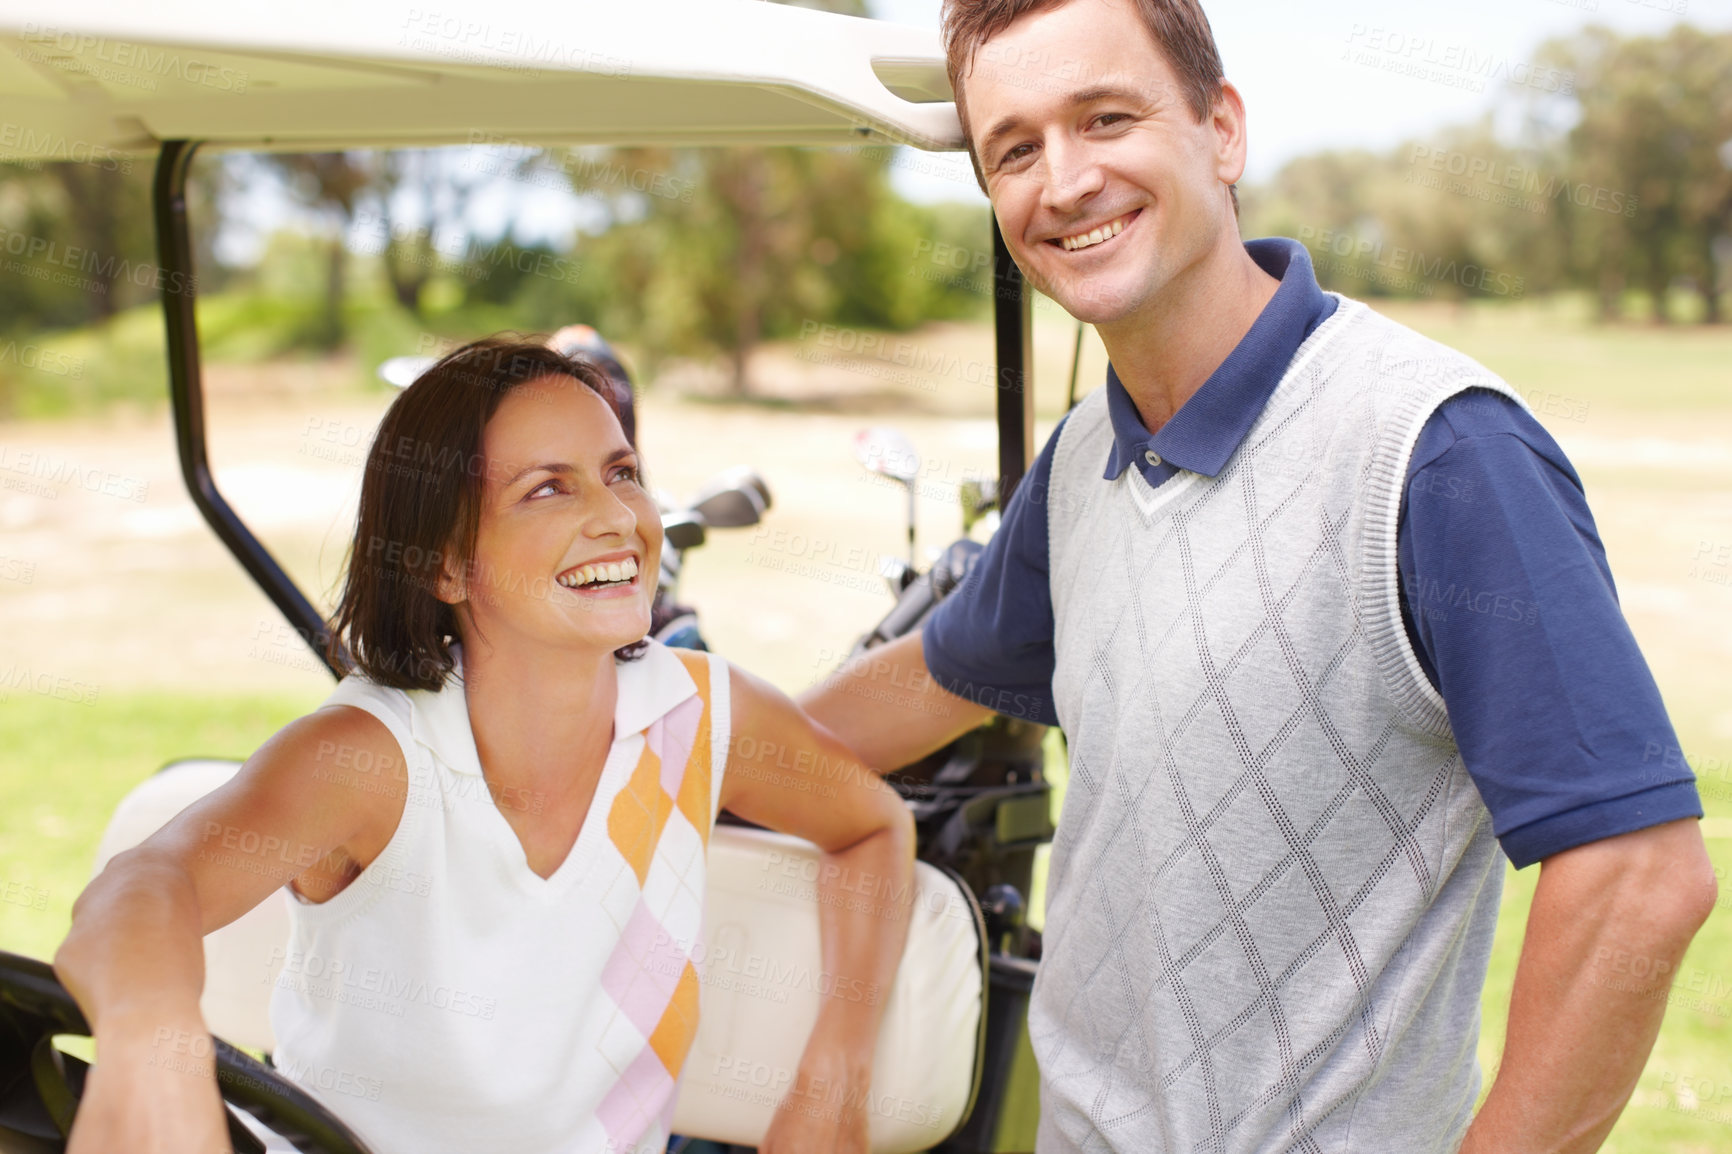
pixel 1094 302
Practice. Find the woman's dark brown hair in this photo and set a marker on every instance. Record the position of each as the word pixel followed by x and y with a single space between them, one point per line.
pixel 421 508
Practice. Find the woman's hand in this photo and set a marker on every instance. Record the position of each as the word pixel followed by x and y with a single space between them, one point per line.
pixel 824 1112
pixel 153 1090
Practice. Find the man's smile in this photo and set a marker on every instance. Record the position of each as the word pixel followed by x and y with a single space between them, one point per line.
pixel 1099 234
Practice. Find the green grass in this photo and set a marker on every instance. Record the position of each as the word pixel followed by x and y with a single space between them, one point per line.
pixel 1548 346
pixel 64 767
pixel 124 361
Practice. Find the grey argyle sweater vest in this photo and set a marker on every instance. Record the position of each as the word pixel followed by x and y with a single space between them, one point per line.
pixel 1274 886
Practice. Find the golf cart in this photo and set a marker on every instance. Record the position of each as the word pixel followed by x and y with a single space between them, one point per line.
pixel 955 1072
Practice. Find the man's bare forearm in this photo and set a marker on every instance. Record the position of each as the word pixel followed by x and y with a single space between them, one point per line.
pixel 1609 926
pixel 885 706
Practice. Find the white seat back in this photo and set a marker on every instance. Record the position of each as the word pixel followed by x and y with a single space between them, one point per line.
pixel 236 1002
pixel 763 978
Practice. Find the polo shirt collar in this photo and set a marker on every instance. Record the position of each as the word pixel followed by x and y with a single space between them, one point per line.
pixel 1209 428
pixel 649 689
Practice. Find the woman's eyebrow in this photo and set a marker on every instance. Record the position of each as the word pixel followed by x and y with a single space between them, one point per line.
pixel 559 468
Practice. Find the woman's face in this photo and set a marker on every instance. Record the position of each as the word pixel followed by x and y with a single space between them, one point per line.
pixel 569 541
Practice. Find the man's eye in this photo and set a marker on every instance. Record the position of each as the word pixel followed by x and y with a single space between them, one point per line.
pixel 1110 117
pixel 1019 153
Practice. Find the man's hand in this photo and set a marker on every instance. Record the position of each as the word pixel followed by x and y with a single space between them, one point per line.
pixel 1609 924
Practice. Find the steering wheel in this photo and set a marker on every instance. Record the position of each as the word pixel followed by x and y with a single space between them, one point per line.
pixel 40 1086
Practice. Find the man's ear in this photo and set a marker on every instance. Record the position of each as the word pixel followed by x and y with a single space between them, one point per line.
pixel 1232 143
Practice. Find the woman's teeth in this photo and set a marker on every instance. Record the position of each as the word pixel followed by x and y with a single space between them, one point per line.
pixel 610 573
pixel 1088 239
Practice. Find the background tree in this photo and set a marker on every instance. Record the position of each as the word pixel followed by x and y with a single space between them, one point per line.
pixel 331 183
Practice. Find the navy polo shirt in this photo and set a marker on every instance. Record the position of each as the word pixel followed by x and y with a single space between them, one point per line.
pixel 1507 597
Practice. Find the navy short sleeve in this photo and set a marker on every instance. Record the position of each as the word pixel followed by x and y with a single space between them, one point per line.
pixel 1514 617
pixel 990 641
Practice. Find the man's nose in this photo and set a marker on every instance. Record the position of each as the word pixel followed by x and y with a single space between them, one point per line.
pixel 1073 175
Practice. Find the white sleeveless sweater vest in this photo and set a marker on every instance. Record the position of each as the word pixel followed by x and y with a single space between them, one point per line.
pixel 1274 886
pixel 451 1000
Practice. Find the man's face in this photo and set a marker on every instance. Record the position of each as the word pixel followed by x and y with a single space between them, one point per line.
pixel 1105 186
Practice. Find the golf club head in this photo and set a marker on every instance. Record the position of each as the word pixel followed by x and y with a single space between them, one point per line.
pixel 887 452
pixel 732 499
pixel 683 530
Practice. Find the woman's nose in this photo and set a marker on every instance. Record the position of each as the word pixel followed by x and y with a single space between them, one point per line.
pixel 609 516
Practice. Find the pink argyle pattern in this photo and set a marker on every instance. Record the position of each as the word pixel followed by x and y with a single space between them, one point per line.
pixel 659 823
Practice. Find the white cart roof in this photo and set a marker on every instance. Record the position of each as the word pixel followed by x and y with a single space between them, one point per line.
pixel 124 75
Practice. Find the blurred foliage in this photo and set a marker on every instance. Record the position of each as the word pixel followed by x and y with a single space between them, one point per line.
pixel 741 245
pixel 1619 185
pixel 1620 180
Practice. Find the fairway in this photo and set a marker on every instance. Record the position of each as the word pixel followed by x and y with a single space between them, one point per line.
pixel 175 654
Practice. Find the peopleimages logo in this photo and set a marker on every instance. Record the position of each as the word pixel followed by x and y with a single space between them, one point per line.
pixel 1453 65
pixel 379 987
pixel 49 146
pixel 1500 177
pixel 102 269
pixel 1355 250
pixel 122 62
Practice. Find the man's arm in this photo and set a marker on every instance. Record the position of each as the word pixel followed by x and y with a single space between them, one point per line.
pixel 991 640
pixel 886 707
pixel 1514 616
pixel 1609 925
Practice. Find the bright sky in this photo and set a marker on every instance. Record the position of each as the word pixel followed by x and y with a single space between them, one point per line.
pixel 1287 58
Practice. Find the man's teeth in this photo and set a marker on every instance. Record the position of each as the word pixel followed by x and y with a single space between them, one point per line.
pixel 596 574
pixel 1105 232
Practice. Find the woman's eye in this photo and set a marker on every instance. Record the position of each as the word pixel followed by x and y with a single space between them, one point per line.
pixel 626 473
pixel 546 487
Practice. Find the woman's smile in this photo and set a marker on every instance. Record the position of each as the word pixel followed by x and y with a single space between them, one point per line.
pixel 616 575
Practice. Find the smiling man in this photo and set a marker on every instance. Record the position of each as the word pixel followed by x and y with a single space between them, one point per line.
pixel 1326 620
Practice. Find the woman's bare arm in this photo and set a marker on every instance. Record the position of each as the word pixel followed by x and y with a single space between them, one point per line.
pixel 134 958
pixel 790 774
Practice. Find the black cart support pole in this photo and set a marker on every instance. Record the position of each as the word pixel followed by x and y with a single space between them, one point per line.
pixel 1012 325
pixel 186 393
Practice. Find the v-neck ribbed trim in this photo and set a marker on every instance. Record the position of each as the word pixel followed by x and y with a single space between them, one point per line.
pixel 649 688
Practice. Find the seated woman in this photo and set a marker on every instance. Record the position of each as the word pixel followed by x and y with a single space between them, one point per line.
pixel 495 828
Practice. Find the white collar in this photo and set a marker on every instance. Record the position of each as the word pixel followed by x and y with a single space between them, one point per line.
pixel 649 689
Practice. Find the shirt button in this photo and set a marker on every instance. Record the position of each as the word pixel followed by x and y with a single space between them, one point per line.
pixel 1153 458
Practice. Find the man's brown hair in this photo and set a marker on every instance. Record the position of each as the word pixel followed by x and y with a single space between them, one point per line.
pixel 1178 27
pixel 421 508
